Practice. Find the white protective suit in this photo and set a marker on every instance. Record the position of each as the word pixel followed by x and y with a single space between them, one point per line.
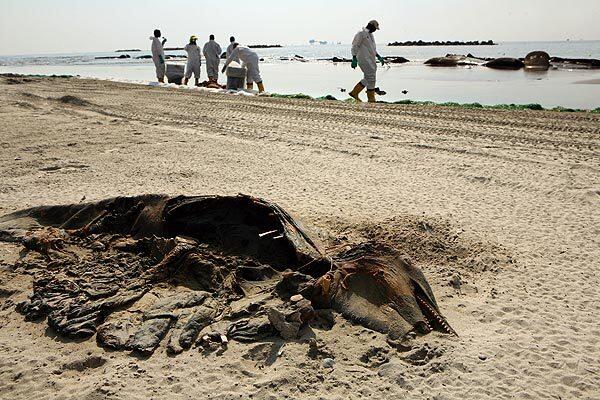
pixel 249 60
pixel 194 61
pixel 158 56
pixel 212 54
pixel 229 51
pixel 364 48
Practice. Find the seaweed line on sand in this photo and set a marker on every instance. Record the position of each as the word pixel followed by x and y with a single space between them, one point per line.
pixel 532 106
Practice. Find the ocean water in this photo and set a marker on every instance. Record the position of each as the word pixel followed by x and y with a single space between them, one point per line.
pixel 315 77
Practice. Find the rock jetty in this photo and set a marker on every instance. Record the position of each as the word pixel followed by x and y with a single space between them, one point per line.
pixel 444 43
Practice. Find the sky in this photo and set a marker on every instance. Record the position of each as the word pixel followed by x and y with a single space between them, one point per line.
pixel 68 26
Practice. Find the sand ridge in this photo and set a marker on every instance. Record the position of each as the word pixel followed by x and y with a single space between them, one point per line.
pixel 505 200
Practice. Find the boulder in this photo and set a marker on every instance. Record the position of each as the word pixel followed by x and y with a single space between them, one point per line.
pixel 537 60
pixel 505 63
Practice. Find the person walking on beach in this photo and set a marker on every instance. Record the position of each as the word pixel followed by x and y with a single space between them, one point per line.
pixel 249 60
pixel 158 55
pixel 194 61
pixel 212 54
pixel 365 56
pixel 230 49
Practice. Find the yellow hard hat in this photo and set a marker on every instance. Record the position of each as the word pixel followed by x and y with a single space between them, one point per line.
pixel 193 38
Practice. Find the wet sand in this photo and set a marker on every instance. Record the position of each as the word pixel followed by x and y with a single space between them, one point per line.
pixel 553 88
pixel 589 82
pixel 505 201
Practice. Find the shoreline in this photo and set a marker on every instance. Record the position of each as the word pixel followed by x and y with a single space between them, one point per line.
pixel 329 97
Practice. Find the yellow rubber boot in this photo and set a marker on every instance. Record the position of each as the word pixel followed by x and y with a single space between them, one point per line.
pixel 261 87
pixel 250 86
pixel 356 91
pixel 371 96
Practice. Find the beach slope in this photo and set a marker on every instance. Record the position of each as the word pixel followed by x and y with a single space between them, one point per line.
pixel 499 208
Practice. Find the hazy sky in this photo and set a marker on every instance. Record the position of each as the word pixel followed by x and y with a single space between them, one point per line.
pixel 62 26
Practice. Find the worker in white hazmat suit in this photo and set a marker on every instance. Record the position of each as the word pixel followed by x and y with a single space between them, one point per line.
pixel 212 55
pixel 249 60
pixel 158 55
pixel 194 61
pixel 364 55
pixel 230 49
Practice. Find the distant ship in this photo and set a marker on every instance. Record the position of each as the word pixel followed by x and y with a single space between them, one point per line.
pixel 313 41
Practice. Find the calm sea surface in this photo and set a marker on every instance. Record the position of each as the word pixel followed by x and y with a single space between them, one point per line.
pixel 567 88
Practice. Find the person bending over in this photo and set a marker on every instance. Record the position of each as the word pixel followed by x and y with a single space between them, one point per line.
pixel 249 59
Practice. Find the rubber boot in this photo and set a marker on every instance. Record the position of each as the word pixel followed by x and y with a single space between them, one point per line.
pixel 185 81
pixel 371 96
pixel 250 86
pixel 261 87
pixel 356 91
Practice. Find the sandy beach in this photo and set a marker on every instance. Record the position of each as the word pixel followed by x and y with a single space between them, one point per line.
pixel 499 208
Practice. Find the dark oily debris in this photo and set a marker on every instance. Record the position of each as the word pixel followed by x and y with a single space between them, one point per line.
pixel 214 268
pixel 85 363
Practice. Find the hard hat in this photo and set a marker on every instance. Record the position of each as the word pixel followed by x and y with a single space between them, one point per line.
pixel 374 23
pixel 193 38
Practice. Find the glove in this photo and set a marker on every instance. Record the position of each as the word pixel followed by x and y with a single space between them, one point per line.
pixel 354 62
pixel 381 60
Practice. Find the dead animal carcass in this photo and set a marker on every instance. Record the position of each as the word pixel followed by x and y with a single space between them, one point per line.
pixel 203 269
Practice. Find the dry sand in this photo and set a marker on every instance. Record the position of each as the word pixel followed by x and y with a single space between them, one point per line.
pixel 507 201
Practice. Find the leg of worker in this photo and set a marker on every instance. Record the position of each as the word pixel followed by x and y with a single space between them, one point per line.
pixel 254 73
pixel 216 68
pixel 356 91
pixel 249 80
pixel 197 74
pixel 371 96
pixel 370 81
pixel 160 72
pixel 188 74
pixel 209 69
